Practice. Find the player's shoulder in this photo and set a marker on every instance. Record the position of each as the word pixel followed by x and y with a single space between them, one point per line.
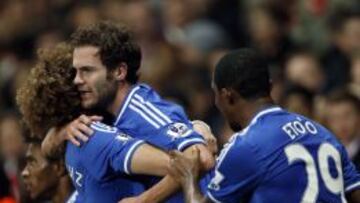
pixel 145 92
pixel 240 149
pixel 102 136
pixel 265 131
pixel 102 128
pixel 146 102
pixel 266 121
pixel 145 96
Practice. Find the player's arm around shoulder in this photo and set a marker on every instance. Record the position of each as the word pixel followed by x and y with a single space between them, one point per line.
pixel 78 129
pixel 149 160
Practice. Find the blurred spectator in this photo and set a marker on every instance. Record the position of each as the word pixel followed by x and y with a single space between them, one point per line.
pixel 112 10
pixel 345 28
pixel 157 66
pixel 303 69
pixel 186 27
pixel 14 70
pixel 311 21
pixel 12 151
pixel 298 100
pixel 269 33
pixel 84 15
pixel 354 83
pixel 343 118
pixel 48 39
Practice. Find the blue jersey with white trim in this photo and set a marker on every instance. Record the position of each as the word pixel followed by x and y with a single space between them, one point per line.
pixel 99 168
pixel 282 157
pixel 145 115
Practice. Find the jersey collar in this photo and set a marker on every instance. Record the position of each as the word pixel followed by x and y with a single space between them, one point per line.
pixel 126 103
pixel 264 111
pixel 259 114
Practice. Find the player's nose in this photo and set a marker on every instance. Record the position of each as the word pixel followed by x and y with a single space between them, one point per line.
pixel 25 173
pixel 78 80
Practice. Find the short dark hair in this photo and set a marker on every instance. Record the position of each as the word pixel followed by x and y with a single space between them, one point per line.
pixel 246 72
pixel 116 45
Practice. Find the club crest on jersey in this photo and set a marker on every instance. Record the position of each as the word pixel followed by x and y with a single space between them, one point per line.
pixel 123 137
pixel 177 130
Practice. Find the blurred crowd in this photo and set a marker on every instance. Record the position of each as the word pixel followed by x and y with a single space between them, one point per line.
pixel 313 47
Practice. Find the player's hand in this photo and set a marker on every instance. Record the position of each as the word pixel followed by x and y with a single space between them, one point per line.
pixel 207 159
pixel 204 130
pixel 79 129
pixel 185 169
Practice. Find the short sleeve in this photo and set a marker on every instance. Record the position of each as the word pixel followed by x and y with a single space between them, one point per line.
pixel 351 175
pixel 181 135
pixel 108 152
pixel 160 123
pixel 236 174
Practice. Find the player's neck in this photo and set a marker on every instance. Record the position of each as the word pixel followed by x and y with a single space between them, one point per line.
pixel 252 108
pixel 120 96
pixel 63 191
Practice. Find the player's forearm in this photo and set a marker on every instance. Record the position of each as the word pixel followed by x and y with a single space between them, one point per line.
pixel 148 160
pixel 52 145
pixel 192 193
pixel 162 190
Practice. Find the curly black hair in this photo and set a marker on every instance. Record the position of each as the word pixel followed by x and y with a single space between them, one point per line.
pixel 116 45
pixel 48 97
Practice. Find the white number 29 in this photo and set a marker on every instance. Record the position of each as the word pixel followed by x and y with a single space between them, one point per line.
pixel 297 152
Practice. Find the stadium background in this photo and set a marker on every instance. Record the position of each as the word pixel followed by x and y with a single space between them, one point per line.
pixel 313 47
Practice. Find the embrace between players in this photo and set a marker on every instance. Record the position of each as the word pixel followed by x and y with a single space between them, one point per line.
pixel 122 142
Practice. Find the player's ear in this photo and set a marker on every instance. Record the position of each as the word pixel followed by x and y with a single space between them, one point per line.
pixel 227 95
pixel 120 72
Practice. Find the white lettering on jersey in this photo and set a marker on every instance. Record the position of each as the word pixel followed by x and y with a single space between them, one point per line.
pixel 296 128
pixel 75 176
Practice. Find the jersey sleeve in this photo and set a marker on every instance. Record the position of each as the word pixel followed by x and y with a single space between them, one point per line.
pixel 181 135
pixel 351 175
pixel 237 172
pixel 108 152
pixel 162 125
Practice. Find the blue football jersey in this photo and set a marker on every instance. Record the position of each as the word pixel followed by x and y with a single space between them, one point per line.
pixel 99 168
pixel 282 157
pixel 145 115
